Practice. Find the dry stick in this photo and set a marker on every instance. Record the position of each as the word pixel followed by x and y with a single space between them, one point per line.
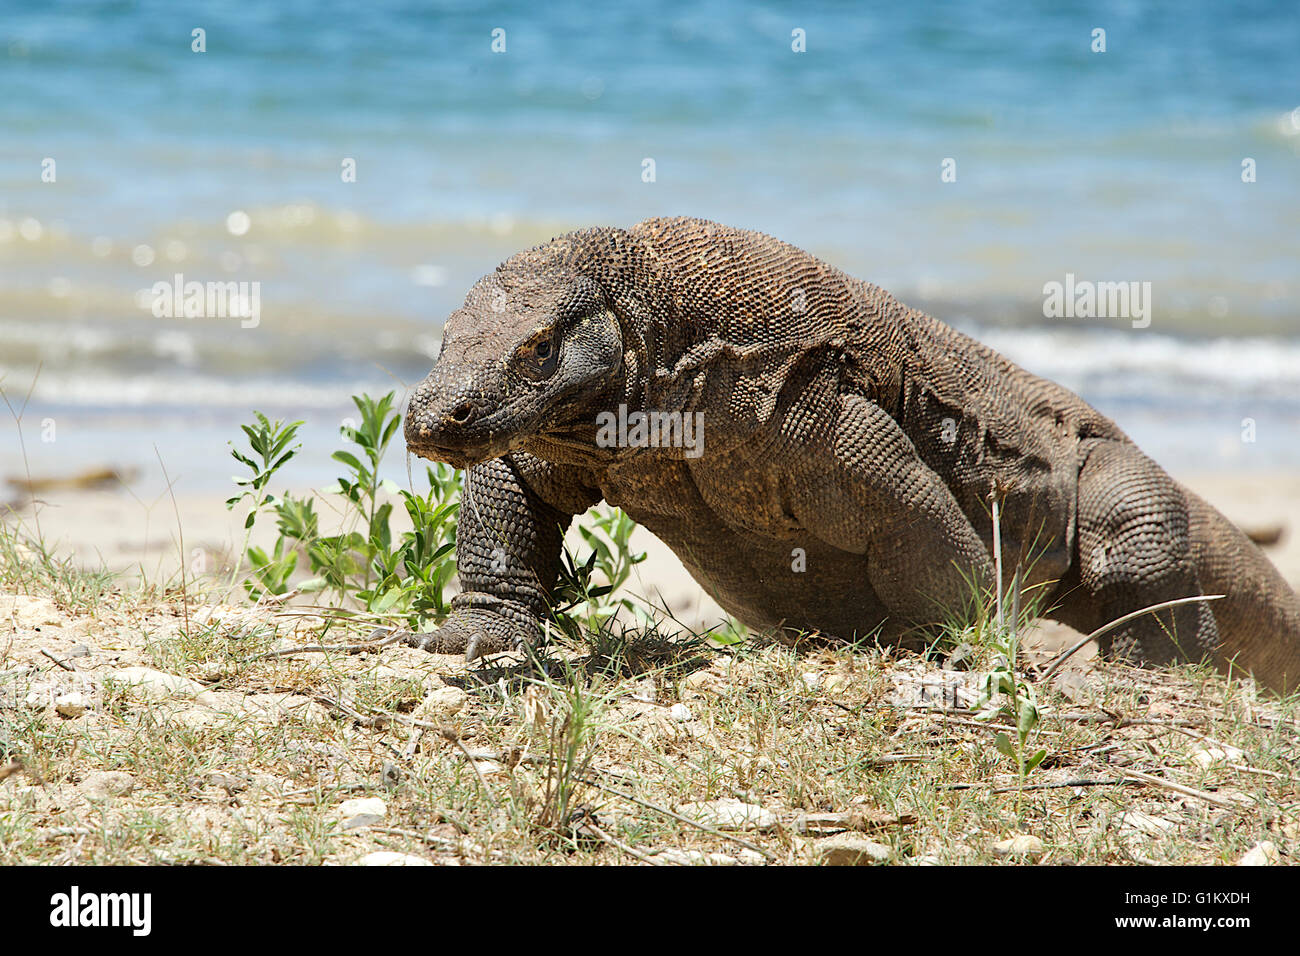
pixel 606 838
pixel 451 735
pixel 1119 720
pixel 1178 788
pixel 64 664
pixel 442 843
pixel 687 820
pixel 327 648
pixel 1107 628
pixel 948 718
pixel 1057 785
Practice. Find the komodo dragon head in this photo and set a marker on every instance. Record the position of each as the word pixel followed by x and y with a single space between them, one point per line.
pixel 529 353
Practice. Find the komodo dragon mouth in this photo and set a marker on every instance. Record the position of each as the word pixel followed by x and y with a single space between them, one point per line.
pixel 532 350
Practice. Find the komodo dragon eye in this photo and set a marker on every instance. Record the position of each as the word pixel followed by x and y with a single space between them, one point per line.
pixel 539 357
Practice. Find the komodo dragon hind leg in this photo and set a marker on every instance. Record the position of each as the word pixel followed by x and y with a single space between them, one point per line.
pixel 1134 551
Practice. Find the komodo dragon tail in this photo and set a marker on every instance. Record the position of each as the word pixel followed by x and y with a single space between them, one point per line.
pixel 1259 619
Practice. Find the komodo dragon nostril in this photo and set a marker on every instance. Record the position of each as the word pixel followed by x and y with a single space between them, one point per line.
pixel 462 413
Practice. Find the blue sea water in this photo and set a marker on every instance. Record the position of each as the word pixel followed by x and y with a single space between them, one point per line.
pixel 1118 165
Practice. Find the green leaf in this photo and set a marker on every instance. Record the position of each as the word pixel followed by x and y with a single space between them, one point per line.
pixel 1003 743
pixel 1035 760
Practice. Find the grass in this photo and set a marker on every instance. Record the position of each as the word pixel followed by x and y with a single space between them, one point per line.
pixel 621 743
pixel 580 756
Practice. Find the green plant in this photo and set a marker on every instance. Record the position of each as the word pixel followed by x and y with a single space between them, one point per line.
pixel 611 559
pixel 364 563
pixel 271 444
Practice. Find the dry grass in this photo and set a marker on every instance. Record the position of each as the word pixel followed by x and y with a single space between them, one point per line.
pixel 592 755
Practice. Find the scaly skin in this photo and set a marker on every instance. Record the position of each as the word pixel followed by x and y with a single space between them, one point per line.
pixel 850 448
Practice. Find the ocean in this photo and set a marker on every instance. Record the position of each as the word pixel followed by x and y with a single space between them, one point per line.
pixel 363 164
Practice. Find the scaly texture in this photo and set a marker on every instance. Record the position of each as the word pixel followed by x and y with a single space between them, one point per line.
pixel 840 478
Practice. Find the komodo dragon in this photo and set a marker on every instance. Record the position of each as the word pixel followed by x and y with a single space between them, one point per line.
pixel 841 475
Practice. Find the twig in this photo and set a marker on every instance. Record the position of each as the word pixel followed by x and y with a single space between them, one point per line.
pixel 456 846
pixel 328 648
pixel 606 838
pixel 1119 720
pixel 687 820
pixel 1161 782
pixel 1060 659
pixel 949 717
pixel 450 735
pixel 64 664
pixel 1054 785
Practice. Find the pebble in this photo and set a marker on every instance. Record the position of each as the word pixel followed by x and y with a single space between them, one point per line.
pixel 24 611
pixel 105 784
pixel 156 683
pixel 389 858
pixel 1207 757
pixel 850 849
pixel 71 705
pixel 729 814
pixel 1261 854
pixel 444 702
pixel 1022 846
pixel 680 713
pixel 361 812
pixel 695 858
pixel 1136 820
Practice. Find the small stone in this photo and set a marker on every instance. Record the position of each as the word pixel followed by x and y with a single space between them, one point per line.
pixel 680 713
pixel 1022 846
pixel 361 812
pixel 24 611
pixel 1261 854
pixel 79 650
pixel 729 814
pixel 834 682
pixel 1137 821
pixel 849 849
pixel 156 684
pixel 105 784
pixel 444 702
pixel 1207 757
pixel 71 705
pixel 702 679
pixel 39 697
pixel 389 858
pixel 695 858
pixel 811 679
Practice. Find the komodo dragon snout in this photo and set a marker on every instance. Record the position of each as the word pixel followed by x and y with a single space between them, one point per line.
pixel 526 354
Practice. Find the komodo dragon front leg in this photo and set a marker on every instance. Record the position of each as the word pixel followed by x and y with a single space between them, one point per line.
pixel 513 514
pixel 864 489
